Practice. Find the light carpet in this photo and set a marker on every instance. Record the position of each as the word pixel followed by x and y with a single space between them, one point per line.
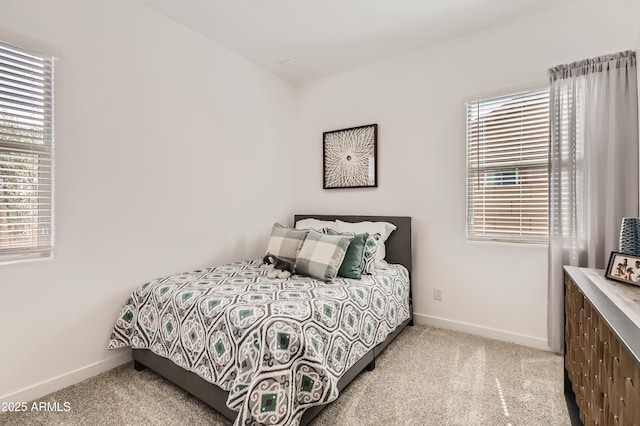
pixel 427 376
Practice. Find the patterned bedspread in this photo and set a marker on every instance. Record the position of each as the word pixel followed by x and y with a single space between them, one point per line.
pixel 278 346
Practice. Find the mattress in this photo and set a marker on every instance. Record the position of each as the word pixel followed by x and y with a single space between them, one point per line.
pixel 279 346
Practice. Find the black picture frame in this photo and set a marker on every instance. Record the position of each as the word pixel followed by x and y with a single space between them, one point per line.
pixel 619 262
pixel 350 157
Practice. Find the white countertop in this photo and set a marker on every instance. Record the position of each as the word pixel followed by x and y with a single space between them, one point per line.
pixel 625 296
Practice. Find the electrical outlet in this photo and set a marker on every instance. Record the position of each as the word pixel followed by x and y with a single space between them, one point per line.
pixel 437 294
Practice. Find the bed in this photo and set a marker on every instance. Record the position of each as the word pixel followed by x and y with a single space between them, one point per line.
pixel 282 356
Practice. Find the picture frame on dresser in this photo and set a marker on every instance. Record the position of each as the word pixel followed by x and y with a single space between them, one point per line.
pixel 624 268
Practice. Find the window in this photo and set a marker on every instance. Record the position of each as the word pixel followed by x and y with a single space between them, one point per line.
pixel 507 167
pixel 26 150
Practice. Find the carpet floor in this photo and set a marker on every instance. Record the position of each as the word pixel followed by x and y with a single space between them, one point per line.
pixel 427 376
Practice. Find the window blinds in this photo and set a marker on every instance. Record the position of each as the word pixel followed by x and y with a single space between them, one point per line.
pixel 507 167
pixel 26 151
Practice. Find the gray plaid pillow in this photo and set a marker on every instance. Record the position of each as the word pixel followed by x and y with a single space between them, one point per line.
pixel 321 255
pixel 286 242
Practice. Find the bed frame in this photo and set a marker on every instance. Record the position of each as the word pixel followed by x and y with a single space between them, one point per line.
pixel 398 247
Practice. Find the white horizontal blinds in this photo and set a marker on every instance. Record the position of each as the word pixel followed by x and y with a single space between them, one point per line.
pixel 507 164
pixel 26 150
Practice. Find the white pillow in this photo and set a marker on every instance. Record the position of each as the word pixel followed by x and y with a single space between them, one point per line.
pixel 316 224
pixel 383 228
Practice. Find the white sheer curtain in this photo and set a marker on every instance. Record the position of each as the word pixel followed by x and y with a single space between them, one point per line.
pixel 593 168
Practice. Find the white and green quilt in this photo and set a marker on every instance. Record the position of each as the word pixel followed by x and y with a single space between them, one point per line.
pixel 279 346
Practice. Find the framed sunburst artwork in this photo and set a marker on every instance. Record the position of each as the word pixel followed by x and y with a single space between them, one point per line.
pixel 350 157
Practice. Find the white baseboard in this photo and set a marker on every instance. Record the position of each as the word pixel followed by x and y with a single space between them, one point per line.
pixel 52 385
pixel 41 389
pixel 491 333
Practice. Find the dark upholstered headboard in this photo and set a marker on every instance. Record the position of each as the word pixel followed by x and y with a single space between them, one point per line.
pixel 398 244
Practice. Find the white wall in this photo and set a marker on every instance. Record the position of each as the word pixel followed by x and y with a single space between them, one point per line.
pixel 166 145
pixel 496 290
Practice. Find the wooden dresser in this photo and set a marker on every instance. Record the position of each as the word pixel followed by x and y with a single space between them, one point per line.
pixel 602 348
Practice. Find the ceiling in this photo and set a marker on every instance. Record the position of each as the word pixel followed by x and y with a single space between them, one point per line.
pixel 324 37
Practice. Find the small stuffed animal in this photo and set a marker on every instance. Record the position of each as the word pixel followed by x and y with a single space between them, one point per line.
pixel 278 268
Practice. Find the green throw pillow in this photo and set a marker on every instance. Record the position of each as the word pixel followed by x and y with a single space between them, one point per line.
pixel 353 263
